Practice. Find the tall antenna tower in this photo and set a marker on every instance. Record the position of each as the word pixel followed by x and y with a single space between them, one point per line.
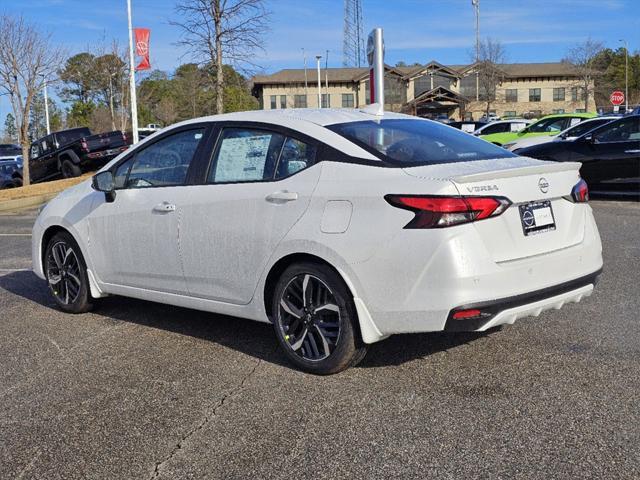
pixel 353 35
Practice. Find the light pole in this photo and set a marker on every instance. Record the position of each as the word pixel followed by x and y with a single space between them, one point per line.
pixel 626 76
pixel 318 57
pixel 46 103
pixel 132 80
pixel 476 6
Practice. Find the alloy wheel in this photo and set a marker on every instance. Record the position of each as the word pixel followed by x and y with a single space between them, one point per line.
pixel 309 317
pixel 63 273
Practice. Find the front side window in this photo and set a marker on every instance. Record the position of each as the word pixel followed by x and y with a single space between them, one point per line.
pixel 558 94
pixel 624 130
pixel 535 95
pixel 511 95
pixel 300 101
pixel 409 142
pixel 584 127
pixel 162 164
pixel 246 155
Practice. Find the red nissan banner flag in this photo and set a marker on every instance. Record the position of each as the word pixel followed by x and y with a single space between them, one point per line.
pixel 142 47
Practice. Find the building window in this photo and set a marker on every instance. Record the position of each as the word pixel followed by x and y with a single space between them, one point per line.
pixel 557 110
pixel 347 100
pixel 558 94
pixel 511 95
pixel 574 94
pixel 326 100
pixel 510 113
pixel 283 101
pixel 534 95
pixel 274 99
pixel 580 110
pixel 300 101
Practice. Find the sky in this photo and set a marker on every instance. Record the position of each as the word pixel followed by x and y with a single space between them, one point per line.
pixel 414 30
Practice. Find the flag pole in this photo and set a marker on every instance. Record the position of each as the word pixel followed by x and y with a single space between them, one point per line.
pixel 132 80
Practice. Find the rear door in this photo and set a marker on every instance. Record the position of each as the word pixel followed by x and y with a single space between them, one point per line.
pixel 258 185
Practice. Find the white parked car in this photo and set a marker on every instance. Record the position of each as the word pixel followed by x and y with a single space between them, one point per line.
pixel 502 126
pixel 569 134
pixel 339 227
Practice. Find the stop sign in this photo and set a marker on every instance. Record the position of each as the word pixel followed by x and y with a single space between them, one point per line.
pixel 616 98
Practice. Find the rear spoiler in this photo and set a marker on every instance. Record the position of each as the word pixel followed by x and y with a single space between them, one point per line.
pixel 540 169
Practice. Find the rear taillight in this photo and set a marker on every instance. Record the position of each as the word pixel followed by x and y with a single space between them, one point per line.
pixel 579 193
pixel 439 211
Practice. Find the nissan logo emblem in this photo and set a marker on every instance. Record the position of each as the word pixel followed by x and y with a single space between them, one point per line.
pixel 543 185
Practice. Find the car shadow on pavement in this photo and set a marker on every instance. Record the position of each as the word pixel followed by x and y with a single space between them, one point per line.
pixel 251 338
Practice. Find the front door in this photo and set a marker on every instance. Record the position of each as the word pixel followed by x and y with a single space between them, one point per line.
pixel 612 158
pixel 258 186
pixel 134 239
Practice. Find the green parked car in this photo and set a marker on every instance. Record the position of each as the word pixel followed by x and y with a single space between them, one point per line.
pixel 549 125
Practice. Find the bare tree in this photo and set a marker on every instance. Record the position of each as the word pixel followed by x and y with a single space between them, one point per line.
pixel 27 58
pixel 223 31
pixel 490 74
pixel 582 57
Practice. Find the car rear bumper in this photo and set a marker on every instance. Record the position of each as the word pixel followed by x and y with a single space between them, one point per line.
pixel 508 310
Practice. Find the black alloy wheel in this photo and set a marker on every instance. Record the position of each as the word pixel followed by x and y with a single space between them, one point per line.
pixel 315 320
pixel 66 274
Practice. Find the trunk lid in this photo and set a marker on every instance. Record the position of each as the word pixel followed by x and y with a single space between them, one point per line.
pixel 521 180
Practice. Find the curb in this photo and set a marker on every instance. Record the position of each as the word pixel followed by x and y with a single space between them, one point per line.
pixel 26 202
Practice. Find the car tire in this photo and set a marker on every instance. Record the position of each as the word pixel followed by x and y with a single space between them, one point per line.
pixel 70 169
pixel 66 273
pixel 315 319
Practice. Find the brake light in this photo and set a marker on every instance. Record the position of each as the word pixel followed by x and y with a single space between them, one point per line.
pixel 579 192
pixel 441 211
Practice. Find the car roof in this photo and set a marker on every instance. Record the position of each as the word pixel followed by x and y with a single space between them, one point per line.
pixel 574 115
pixel 318 116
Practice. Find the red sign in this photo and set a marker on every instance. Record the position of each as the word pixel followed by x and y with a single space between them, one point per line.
pixel 142 47
pixel 616 98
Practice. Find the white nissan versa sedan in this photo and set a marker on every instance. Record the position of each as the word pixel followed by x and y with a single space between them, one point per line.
pixel 340 227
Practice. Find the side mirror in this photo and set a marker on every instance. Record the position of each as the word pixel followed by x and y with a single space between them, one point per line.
pixel 104 182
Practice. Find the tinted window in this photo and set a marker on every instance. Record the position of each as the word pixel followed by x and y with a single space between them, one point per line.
pixel 585 127
pixel 163 163
pixel 418 142
pixel 495 128
pixel 295 156
pixel 71 135
pixel 246 155
pixel 624 130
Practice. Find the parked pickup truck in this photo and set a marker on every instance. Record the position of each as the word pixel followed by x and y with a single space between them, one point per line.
pixel 70 152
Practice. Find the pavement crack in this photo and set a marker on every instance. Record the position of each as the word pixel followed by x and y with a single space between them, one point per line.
pixel 205 420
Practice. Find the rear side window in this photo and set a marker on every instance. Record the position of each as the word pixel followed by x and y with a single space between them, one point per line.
pixel 409 142
pixel 295 156
pixel 162 164
pixel 246 155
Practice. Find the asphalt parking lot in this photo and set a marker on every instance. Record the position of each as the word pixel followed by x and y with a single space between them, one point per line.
pixel 140 390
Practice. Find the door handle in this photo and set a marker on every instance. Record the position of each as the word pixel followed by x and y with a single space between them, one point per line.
pixel 282 196
pixel 164 207
pixel 632 151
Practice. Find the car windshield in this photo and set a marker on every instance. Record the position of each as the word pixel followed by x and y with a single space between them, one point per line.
pixel 585 127
pixel 409 142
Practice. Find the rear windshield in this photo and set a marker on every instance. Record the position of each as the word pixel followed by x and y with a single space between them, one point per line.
pixel 409 142
pixel 69 136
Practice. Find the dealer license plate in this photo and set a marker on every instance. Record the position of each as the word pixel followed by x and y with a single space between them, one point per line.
pixel 537 217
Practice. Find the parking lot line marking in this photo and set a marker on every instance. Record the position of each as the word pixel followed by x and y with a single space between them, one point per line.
pixel 15 234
